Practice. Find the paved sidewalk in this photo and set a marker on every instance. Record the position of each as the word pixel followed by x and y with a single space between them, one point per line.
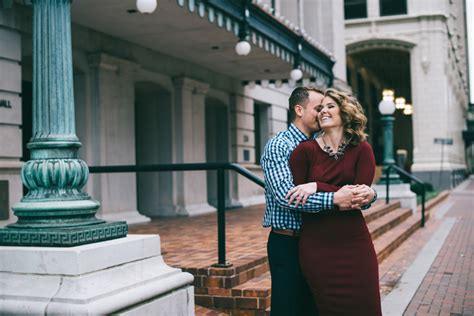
pixel 446 286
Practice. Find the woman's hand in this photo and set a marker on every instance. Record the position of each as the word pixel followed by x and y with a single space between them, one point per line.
pixel 363 194
pixel 300 193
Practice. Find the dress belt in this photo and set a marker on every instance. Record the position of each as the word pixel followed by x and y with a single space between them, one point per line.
pixel 287 232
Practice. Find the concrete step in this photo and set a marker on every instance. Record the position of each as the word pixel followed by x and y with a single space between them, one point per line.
pixel 394 237
pixel 379 209
pixel 382 224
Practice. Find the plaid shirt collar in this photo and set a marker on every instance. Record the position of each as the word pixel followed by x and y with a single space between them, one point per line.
pixel 298 135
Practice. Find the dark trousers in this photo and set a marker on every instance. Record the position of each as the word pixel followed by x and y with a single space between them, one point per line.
pixel 291 295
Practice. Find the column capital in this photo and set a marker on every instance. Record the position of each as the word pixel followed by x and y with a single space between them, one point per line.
pixel 111 63
pixel 189 84
pixel 201 88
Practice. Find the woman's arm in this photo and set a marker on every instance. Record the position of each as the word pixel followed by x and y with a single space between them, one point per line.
pixel 365 165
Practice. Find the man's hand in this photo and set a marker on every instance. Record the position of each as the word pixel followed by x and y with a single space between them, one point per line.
pixel 301 192
pixel 343 197
pixel 363 194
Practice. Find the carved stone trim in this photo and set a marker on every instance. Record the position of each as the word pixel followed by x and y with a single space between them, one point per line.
pixel 63 237
pixel 378 43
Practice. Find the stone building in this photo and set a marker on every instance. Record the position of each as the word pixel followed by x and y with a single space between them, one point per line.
pixel 168 87
pixel 418 49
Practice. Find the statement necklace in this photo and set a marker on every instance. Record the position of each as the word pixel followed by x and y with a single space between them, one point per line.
pixel 334 154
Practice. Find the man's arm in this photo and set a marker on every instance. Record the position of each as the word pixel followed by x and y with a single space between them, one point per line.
pixel 279 180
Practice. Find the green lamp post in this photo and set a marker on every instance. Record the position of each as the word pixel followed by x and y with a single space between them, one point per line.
pixel 387 108
pixel 55 212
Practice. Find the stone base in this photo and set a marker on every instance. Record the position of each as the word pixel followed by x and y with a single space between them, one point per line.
pixel 442 180
pixel 131 217
pixel 62 237
pixel 399 192
pixel 196 209
pixel 123 276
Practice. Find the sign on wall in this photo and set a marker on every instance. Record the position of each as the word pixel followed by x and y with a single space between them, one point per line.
pixel 5 104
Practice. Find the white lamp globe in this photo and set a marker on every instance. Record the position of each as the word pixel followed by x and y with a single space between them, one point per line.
pixel 296 74
pixel 146 6
pixel 242 48
pixel 386 107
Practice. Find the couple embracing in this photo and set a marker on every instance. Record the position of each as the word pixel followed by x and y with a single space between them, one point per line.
pixel 321 256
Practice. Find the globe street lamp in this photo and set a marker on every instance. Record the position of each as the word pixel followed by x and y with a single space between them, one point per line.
pixel 387 108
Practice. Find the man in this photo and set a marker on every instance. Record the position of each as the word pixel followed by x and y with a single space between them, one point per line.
pixel 290 294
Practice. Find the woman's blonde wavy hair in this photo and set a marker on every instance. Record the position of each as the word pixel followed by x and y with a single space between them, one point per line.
pixel 353 118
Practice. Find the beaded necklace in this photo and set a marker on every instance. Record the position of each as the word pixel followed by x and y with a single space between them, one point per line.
pixel 334 154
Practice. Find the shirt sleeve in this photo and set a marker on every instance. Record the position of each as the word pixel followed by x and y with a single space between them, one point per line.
pixel 279 180
pixel 365 169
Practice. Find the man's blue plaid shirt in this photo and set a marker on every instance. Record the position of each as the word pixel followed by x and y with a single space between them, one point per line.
pixel 279 180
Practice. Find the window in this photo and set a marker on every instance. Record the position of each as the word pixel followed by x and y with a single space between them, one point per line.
pixel 355 9
pixel 393 7
pixel 262 128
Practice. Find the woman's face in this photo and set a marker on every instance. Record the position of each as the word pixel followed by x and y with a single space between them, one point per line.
pixel 329 114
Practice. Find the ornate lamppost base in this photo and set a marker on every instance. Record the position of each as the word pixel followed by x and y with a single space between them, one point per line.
pixel 62 237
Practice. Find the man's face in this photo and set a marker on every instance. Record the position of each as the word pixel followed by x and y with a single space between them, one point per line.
pixel 309 113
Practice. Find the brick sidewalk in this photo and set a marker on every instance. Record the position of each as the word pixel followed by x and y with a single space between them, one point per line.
pixel 448 287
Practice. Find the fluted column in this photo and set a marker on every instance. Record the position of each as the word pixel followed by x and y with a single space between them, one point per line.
pixel 55 212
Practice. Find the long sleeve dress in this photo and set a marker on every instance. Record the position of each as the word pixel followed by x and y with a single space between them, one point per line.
pixel 336 252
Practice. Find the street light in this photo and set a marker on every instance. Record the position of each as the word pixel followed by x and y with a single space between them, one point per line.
pixel 243 47
pixel 296 74
pixel 400 103
pixel 387 108
pixel 408 109
pixel 146 6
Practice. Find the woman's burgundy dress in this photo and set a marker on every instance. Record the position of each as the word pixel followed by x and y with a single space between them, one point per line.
pixel 336 252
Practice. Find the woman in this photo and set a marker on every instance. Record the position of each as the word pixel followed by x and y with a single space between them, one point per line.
pixel 336 252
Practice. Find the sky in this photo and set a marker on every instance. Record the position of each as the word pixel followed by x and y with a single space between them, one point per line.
pixel 470 38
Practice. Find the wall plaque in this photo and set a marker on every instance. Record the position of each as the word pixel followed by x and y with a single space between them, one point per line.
pixel 4 206
pixel 5 104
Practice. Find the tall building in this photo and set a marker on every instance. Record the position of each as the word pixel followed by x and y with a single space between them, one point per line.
pixel 418 49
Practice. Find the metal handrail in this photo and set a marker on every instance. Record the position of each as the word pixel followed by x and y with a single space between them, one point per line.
pixel 219 166
pixel 412 178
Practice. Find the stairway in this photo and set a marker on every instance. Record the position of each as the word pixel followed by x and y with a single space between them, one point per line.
pixel 245 288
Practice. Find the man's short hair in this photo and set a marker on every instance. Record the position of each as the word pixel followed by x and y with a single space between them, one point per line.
pixel 300 96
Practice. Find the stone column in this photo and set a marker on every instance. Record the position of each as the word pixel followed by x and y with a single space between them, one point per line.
pixel 113 120
pixel 189 146
pixel 55 212
pixel 242 132
pixel 433 106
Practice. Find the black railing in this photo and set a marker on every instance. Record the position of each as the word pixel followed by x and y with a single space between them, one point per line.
pixel 412 178
pixel 220 167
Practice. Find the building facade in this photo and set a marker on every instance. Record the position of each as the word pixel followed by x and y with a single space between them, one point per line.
pixel 418 49
pixel 168 87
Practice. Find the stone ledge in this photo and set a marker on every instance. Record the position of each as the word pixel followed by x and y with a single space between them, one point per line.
pixel 81 259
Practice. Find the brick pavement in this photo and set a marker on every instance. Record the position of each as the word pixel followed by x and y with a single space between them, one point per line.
pixel 448 287
pixel 192 241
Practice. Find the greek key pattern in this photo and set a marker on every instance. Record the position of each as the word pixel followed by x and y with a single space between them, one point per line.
pixel 63 237
pixel 55 178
